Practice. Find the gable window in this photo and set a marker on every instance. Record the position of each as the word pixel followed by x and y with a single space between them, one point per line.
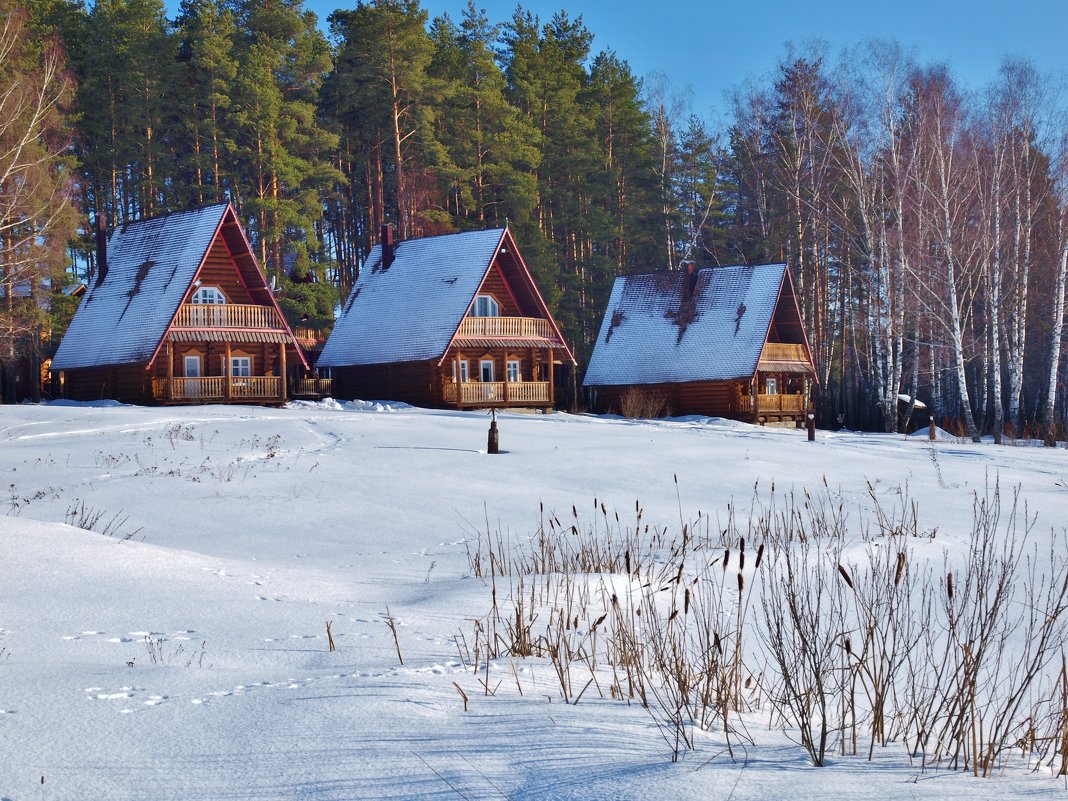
pixel 513 372
pixel 485 306
pixel 486 370
pixel 241 366
pixel 208 294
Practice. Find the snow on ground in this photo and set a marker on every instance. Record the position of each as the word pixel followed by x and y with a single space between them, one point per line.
pixel 185 654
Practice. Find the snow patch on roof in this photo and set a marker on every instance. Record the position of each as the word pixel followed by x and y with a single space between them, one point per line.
pixel 151 264
pixel 655 332
pixel 410 311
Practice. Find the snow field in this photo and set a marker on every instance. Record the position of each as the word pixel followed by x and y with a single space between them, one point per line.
pixel 240 532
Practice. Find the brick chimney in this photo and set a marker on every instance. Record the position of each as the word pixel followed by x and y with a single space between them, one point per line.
pixel 387 246
pixel 101 248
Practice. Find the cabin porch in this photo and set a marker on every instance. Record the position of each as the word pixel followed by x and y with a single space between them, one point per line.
pixel 509 376
pixel 224 367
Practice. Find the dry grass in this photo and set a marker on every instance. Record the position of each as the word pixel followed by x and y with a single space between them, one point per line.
pixel 761 610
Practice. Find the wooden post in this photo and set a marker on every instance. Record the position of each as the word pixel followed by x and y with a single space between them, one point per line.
pixel 753 385
pixel 282 370
pixel 228 373
pixel 493 442
pixel 552 384
pixel 458 380
pixel 931 433
pixel 169 394
pixel 811 427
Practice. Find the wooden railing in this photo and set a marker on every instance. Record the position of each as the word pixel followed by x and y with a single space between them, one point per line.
pixel 228 315
pixel 515 327
pixel 497 393
pixel 309 337
pixel 319 387
pixel 213 388
pixel 783 352
pixel 781 403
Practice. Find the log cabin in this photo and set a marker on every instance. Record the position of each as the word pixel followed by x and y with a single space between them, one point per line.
pixel 723 341
pixel 451 321
pixel 179 313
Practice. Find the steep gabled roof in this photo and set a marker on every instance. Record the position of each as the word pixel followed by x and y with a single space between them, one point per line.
pixel 412 310
pixel 657 331
pixel 151 264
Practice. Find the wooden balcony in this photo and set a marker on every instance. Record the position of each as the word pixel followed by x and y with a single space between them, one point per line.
pixel 314 388
pixel 213 389
pixel 783 352
pixel 228 315
pixel 505 328
pixel 499 393
pixel 309 338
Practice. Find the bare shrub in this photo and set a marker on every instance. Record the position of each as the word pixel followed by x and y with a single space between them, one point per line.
pixel 642 404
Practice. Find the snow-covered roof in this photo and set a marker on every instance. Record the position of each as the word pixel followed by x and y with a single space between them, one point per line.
pixel 651 334
pixel 151 264
pixel 410 311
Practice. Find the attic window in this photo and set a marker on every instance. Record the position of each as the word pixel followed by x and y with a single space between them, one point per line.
pixel 208 294
pixel 485 306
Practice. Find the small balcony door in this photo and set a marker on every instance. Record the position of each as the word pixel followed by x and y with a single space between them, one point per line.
pixel 192 367
pixel 486 370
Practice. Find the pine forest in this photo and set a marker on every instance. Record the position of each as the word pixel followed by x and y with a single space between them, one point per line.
pixel 925 221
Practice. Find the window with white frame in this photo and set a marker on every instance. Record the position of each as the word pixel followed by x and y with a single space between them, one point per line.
pixel 771 386
pixel 463 376
pixel 241 366
pixel 192 366
pixel 485 306
pixel 485 368
pixel 208 294
pixel 513 371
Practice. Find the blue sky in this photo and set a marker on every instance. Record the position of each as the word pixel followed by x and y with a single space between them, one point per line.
pixel 711 47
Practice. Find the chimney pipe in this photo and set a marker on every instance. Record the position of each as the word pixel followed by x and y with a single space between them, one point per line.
pixel 387 246
pixel 690 284
pixel 101 248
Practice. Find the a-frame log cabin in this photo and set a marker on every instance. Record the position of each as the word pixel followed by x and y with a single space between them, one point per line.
pixel 723 341
pixel 179 312
pixel 451 321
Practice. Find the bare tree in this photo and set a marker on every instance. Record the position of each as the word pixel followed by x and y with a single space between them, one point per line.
pixel 36 218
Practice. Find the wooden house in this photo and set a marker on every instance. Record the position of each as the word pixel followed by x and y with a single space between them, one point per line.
pixel 446 321
pixel 179 312
pixel 725 341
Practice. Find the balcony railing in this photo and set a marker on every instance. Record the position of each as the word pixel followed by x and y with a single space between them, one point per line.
pixel 213 388
pixel 309 338
pixel 783 352
pixel 314 387
pixel 511 327
pixel 499 393
pixel 228 315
